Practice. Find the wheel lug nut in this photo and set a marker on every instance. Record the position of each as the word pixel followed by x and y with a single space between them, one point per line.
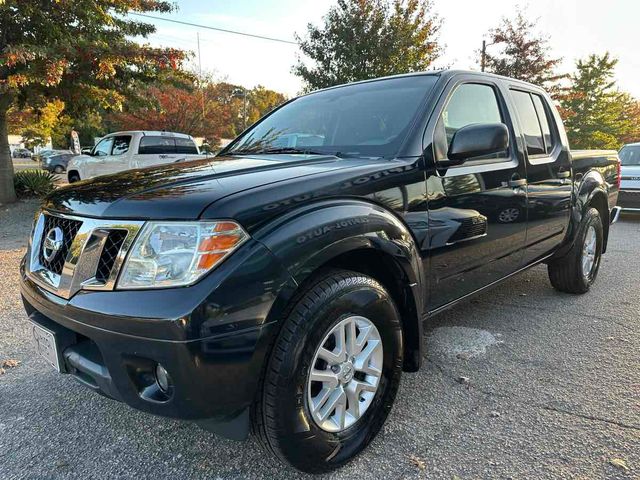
pixel 335 368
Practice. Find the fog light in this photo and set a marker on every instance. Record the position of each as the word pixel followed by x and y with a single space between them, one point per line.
pixel 162 378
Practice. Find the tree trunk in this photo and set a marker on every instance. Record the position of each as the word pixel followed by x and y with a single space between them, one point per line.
pixel 7 192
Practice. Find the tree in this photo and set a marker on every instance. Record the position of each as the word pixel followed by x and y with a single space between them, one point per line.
pixel 596 114
pixel 522 53
pixel 363 39
pixel 212 110
pixel 80 52
pixel 42 122
pixel 259 102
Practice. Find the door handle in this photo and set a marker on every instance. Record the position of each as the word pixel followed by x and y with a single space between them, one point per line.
pixel 520 182
pixel 564 174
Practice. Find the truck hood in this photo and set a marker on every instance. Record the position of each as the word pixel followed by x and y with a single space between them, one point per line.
pixel 630 177
pixel 183 190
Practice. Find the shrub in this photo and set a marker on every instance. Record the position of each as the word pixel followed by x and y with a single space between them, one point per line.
pixel 33 183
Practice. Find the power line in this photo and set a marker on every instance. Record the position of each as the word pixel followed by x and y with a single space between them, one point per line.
pixel 214 28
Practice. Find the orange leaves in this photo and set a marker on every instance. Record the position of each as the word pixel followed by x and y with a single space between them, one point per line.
pixel 106 69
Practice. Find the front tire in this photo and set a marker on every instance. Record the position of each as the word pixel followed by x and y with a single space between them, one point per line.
pixel 577 270
pixel 333 373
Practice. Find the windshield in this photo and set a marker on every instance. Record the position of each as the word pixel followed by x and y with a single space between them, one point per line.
pixel 368 119
pixel 630 156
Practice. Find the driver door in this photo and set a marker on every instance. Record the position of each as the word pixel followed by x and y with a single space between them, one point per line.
pixel 477 210
pixel 93 166
pixel 117 161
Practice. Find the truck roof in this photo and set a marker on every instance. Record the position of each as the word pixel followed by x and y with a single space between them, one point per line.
pixel 154 133
pixel 441 73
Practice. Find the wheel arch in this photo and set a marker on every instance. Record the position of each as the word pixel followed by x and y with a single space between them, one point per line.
pixel 598 200
pixel 353 235
pixel 70 173
pixel 590 192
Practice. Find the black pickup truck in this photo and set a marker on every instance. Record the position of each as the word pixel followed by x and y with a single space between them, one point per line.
pixel 281 287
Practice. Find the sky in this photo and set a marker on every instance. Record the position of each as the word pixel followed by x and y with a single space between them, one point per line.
pixel 576 28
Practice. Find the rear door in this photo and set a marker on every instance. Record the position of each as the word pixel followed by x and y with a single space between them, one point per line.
pixel 549 173
pixel 477 211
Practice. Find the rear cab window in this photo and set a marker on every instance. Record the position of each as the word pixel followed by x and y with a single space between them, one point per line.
pixel 155 145
pixel 630 156
pixel 186 146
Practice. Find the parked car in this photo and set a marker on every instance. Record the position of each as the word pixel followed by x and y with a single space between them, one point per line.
pixel 629 198
pixel 57 163
pixel 283 289
pixel 122 151
pixel 42 155
pixel 21 153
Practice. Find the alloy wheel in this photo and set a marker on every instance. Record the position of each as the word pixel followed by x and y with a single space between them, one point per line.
pixel 345 374
pixel 589 251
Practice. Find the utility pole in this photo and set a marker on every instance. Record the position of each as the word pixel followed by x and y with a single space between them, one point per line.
pixel 483 55
pixel 200 75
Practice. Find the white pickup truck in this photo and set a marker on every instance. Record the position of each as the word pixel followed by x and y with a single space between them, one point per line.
pixel 133 149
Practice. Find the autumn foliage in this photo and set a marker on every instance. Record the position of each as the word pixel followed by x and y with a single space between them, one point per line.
pixel 83 53
pixel 212 110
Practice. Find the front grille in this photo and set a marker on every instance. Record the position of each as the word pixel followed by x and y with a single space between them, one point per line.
pixel 69 229
pixel 88 254
pixel 470 228
pixel 112 247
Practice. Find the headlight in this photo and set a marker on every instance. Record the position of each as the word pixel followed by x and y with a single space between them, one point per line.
pixel 172 254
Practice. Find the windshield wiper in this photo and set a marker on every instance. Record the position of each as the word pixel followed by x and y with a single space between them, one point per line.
pixel 277 151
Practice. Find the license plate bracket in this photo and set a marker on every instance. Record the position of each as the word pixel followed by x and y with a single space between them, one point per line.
pixel 50 340
pixel 46 345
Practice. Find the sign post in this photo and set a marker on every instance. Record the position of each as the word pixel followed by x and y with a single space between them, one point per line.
pixel 75 139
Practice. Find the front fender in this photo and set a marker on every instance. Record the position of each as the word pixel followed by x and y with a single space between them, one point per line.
pixel 310 237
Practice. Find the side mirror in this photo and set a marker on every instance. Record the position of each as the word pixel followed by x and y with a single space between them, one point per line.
pixel 476 140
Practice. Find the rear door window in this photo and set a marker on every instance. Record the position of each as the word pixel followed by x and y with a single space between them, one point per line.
pixel 186 145
pixel 529 122
pixel 545 122
pixel 156 145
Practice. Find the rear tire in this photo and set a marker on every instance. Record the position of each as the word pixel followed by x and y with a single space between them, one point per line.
pixel 577 270
pixel 283 418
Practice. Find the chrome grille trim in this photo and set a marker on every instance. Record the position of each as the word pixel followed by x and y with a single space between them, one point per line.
pixel 81 262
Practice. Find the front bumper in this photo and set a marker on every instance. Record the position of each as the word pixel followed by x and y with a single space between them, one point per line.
pixel 212 338
pixel 629 200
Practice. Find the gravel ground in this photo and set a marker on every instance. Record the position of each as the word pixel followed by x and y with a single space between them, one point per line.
pixel 521 382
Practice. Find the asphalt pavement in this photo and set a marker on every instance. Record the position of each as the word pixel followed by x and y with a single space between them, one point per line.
pixel 521 382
